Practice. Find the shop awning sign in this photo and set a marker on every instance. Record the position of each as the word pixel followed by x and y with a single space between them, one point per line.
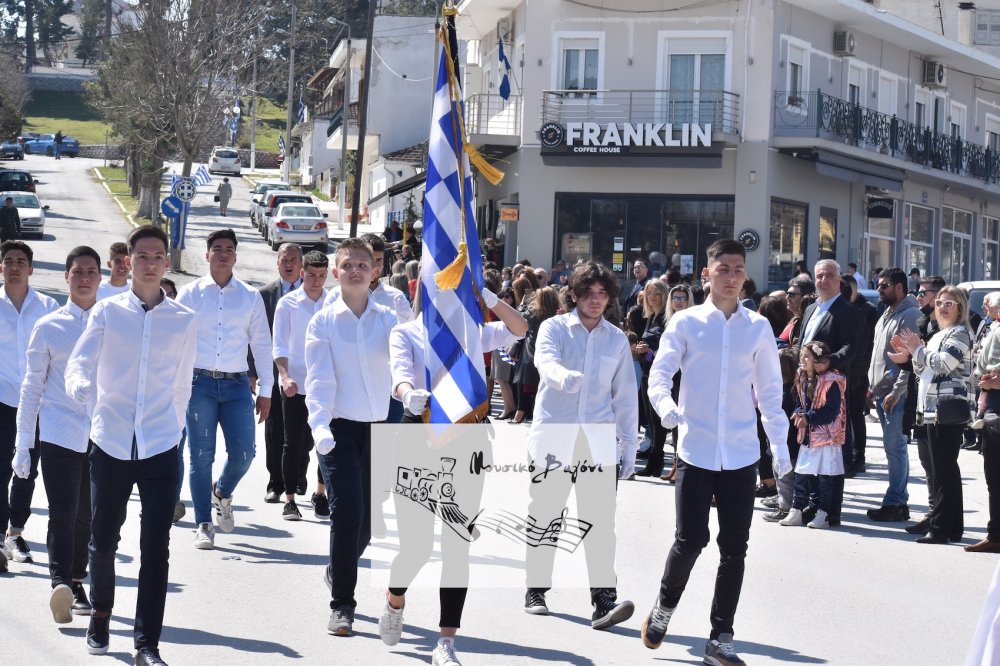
pixel 509 213
pixel 589 138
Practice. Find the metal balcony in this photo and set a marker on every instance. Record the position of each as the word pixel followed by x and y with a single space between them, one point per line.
pixel 719 108
pixel 493 115
pixel 819 115
pixel 338 115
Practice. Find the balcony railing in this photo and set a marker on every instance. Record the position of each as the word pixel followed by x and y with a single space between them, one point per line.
pixel 719 108
pixel 824 116
pixel 492 114
pixel 338 114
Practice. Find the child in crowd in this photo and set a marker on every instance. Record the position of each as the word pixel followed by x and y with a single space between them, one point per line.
pixel 820 418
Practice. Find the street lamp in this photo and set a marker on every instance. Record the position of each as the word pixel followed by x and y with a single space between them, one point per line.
pixel 342 185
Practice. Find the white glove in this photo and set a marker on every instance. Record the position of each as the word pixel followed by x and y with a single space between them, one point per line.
pixel 628 463
pixel 21 463
pixel 489 298
pixel 81 391
pixel 782 467
pixel 673 419
pixel 415 401
pixel 573 381
pixel 324 440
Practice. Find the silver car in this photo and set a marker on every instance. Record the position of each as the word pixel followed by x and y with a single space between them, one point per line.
pixel 31 212
pixel 224 160
pixel 297 222
pixel 257 196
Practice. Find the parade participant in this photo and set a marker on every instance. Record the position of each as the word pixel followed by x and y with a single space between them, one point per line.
pixel 724 350
pixel 20 309
pixel 586 377
pixel 291 318
pixel 64 427
pixel 347 389
pixel 139 397
pixel 118 282
pixel 230 316
pixel 406 351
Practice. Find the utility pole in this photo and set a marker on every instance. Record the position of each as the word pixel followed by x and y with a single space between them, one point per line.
pixel 253 115
pixel 359 163
pixel 342 185
pixel 286 164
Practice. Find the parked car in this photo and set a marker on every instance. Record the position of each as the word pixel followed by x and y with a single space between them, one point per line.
pixel 46 143
pixel 257 193
pixel 27 136
pixel 270 201
pixel 32 213
pixel 17 180
pixel 11 150
pixel 224 160
pixel 297 222
pixel 976 291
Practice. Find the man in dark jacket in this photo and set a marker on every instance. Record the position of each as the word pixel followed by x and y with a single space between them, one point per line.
pixel 857 381
pixel 10 221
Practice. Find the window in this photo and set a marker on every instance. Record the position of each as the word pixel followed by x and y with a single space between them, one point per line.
pixel 880 242
pixel 853 94
pixel 887 95
pixel 798 72
pixel 991 248
pixel 696 74
pixel 788 241
pixel 918 233
pixel 795 79
pixel 920 115
pixel 956 245
pixel 992 141
pixel 828 233
pixel 987 27
pixel 580 64
pixel 957 120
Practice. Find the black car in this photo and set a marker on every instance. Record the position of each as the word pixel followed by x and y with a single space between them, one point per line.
pixel 17 180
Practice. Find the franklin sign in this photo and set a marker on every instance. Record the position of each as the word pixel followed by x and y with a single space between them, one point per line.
pixel 592 135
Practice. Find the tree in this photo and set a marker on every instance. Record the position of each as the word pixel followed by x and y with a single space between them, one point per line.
pixel 91 30
pixel 412 8
pixel 14 94
pixel 52 32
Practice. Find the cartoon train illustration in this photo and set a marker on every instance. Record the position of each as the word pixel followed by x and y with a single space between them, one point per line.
pixel 435 491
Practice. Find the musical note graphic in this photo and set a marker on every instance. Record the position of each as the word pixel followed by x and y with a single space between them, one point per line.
pixel 564 532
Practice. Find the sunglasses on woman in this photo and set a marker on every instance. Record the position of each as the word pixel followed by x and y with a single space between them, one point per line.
pixel 945 305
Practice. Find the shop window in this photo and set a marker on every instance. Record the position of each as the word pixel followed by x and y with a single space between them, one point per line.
pixel 827 233
pixel 918 231
pixel 788 241
pixel 956 245
pixel 991 248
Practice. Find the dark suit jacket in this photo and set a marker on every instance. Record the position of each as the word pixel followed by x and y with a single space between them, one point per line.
pixel 633 296
pixel 270 293
pixel 839 330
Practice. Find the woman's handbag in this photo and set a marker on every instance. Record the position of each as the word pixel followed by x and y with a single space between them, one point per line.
pixel 216 199
pixel 953 410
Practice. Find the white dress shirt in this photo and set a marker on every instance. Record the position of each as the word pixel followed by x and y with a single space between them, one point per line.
pixel 107 290
pixel 347 364
pixel 382 294
pixel 61 420
pixel 15 331
pixel 229 318
pixel 139 365
pixel 860 279
pixel 722 359
pixel 607 395
pixel 291 318
pixel 406 350
pixel 822 312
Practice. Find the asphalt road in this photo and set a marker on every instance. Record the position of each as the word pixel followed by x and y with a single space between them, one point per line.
pixel 860 594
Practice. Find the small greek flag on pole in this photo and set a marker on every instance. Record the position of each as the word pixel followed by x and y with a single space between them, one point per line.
pixel 301 117
pixel 451 273
pixel 281 143
pixel 202 177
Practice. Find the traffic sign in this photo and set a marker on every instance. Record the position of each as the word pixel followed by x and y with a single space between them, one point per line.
pixel 171 207
pixel 185 189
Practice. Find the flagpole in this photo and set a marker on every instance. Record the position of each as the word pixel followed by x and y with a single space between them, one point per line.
pixel 287 162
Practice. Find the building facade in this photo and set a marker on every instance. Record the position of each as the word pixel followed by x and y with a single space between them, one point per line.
pixel 808 129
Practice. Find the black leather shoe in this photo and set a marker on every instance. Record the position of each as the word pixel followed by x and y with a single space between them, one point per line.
pixel 921 528
pixel 98 634
pixel 890 514
pixel 148 656
pixel 764 490
pixel 932 538
pixel 272 497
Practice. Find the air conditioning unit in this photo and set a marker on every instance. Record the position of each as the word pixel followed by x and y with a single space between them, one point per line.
pixel 935 74
pixel 504 27
pixel 844 43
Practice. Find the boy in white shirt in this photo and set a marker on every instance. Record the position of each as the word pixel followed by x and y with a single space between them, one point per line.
pixel 118 264
pixel 347 389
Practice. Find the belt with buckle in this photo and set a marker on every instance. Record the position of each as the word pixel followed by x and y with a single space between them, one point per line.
pixel 218 374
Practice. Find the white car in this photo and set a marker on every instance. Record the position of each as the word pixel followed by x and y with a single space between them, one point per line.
pixel 297 222
pixel 224 160
pixel 257 196
pixel 31 212
pixel 269 202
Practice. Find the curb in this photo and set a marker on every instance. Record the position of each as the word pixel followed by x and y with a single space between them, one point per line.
pixel 128 216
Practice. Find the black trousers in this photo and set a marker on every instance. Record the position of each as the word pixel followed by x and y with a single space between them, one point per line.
pixel 924 454
pixel 944 442
pixel 733 491
pixel 298 440
pixel 274 441
pixel 991 467
pixel 66 475
pixel 857 405
pixel 348 469
pixel 15 505
pixel 111 483
pixel 654 464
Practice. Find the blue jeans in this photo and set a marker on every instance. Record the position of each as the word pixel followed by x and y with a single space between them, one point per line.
pixel 894 442
pixel 215 402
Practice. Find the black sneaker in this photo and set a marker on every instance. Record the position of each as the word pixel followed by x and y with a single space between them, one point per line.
pixel 81 602
pixel 776 515
pixel 272 497
pixel 341 621
pixel 147 656
pixel 534 603
pixel 890 514
pixel 3 561
pixel 321 506
pixel 654 627
pixel 921 528
pixel 764 490
pixel 98 635
pixel 291 512
pixel 608 611
pixel 719 652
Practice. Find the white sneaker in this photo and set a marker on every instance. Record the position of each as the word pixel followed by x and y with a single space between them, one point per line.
pixel 444 653
pixel 390 624
pixel 61 604
pixel 223 512
pixel 794 517
pixel 204 537
pixel 17 548
pixel 978 424
pixel 820 522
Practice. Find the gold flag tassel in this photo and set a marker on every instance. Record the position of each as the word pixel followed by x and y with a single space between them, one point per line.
pixel 450 276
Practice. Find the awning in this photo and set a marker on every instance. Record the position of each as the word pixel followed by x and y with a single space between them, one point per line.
pixel 401 187
pixel 859 171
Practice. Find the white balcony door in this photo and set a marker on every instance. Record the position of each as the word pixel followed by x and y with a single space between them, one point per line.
pixel 696 71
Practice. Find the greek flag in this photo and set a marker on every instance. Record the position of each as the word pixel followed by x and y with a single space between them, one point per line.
pixel 202 177
pixel 281 143
pixel 453 353
pixel 301 117
pixel 505 82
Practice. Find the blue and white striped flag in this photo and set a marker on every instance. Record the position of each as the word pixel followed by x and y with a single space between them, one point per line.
pixel 281 143
pixel 202 177
pixel 453 354
pixel 301 116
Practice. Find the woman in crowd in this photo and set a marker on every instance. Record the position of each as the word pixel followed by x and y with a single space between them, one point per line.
pixel 543 306
pixel 398 278
pixel 655 297
pixel 747 294
pixel 943 366
pixel 412 273
pixel 681 297
pixel 775 310
pixel 502 369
